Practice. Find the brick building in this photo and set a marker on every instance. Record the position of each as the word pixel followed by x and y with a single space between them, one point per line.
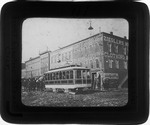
pixel 33 67
pixel 44 62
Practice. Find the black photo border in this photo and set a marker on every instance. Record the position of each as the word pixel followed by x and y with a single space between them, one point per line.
pixel 137 109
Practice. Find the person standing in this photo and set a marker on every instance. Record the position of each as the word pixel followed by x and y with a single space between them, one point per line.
pixel 95 82
pixel 98 81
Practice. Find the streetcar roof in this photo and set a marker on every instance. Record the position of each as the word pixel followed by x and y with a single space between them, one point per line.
pixel 67 68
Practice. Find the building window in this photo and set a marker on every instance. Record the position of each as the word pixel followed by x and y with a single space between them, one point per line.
pixel 110 63
pixel 109 46
pixel 91 62
pixel 62 57
pixel 97 63
pixel 85 63
pixel 91 48
pixel 52 60
pixel 117 64
pixel 125 64
pixel 69 55
pixel 125 50
pixel 57 59
pixel 66 56
pixel 116 48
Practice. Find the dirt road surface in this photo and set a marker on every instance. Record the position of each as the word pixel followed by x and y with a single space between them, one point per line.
pixel 81 99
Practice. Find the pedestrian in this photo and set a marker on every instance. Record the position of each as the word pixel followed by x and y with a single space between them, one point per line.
pixel 99 81
pixel 38 85
pixel 42 85
pixel 29 84
pixel 95 82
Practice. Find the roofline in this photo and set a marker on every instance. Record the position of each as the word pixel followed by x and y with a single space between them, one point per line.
pixel 32 59
pixel 44 52
pixel 89 38
pixel 116 36
pixel 77 42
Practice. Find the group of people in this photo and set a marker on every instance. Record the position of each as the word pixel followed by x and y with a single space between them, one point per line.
pixel 33 84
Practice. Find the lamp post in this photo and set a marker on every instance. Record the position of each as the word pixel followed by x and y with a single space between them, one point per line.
pixel 90 28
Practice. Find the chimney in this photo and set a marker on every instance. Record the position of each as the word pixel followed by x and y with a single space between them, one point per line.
pixel 125 37
pixel 111 33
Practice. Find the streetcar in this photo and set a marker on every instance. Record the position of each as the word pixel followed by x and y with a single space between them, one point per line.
pixel 68 78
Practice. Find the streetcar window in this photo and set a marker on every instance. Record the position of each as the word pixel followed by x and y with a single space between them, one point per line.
pixel 45 76
pixel 64 75
pixel 84 74
pixel 67 74
pixel 71 74
pixel 48 76
pixel 88 74
pixel 56 75
pixel 53 76
pixel 78 74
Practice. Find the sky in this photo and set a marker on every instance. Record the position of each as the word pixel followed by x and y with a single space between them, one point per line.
pixel 41 34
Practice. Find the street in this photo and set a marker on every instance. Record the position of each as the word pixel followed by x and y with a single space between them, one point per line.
pixel 88 98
